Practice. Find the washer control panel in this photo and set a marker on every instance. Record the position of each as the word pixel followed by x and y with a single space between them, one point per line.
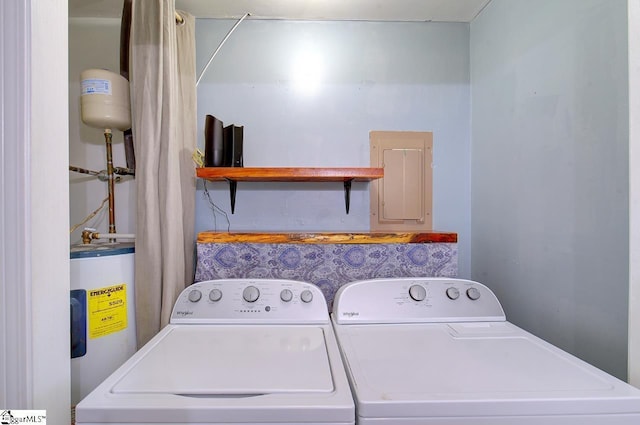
pixel 415 300
pixel 250 301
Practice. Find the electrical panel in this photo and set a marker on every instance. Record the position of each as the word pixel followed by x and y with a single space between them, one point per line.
pixel 402 199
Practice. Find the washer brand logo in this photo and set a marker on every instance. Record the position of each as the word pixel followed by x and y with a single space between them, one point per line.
pixel 184 313
pixel 351 313
pixel 8 417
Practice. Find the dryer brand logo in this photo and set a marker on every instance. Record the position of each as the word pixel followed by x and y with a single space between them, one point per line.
pixel 351 313
pixel 184 313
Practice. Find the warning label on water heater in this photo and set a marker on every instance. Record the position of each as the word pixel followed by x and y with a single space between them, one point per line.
pixel 107 310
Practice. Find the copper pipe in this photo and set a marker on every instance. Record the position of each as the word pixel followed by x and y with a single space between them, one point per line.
pixel 110 176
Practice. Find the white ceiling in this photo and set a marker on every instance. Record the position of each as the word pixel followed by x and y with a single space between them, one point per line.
pixel 367 10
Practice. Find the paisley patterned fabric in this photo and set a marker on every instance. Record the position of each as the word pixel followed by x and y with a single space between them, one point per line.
pixel 328 266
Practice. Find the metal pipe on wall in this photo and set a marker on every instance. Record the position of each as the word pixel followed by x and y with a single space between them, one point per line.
pixel 110 176
pixel 89 234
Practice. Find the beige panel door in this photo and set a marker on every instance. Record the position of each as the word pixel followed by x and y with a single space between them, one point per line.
pixel 403 169
pixel 402 199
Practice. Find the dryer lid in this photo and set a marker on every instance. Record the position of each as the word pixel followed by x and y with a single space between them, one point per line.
pixel 475 368
pixel 232 361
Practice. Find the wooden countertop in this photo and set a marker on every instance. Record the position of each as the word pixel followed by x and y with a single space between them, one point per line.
pixel 328 237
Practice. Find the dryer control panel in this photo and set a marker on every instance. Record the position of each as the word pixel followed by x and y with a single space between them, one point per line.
pixel 266 301
pixel 415 300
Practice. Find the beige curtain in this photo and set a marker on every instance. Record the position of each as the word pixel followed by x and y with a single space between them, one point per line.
pixel 163 97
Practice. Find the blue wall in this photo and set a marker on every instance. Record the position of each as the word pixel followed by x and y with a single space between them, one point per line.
pixel 550 170
pixel 374 76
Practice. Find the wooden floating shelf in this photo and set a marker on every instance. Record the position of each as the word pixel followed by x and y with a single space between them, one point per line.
pixel 289 174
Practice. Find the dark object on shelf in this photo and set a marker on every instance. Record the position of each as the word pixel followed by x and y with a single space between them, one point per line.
pixel 233 146
pixel 125 36
pixel 213 142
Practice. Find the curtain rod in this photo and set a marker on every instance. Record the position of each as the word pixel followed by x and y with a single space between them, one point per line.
pixel 179 19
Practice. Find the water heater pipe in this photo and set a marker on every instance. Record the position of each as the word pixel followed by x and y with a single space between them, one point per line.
pixel 89 235
pixel 110 176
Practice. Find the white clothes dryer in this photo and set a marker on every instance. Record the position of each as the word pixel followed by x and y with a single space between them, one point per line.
pixel 236 351
pixel 425 351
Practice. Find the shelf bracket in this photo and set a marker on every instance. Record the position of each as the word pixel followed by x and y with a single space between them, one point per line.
pixel 347 193
pixel 233 186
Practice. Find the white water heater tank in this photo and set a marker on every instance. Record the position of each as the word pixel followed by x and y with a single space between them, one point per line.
pixel 105 100
pixel 102 319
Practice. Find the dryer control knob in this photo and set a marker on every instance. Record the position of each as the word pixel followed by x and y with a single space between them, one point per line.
pixel 473 293
pixel 195 295
pixel 215 295
pixel 453 293
pixel 286 295
pixel 250 293
pixel 417 292
pixel 306 296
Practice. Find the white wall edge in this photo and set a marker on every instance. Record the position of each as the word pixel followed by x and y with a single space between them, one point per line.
pixel 634 192
pixel 48 213
pixel 16 367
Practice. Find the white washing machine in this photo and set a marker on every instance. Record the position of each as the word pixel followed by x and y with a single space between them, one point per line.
pixel 440 351
pixel 236 351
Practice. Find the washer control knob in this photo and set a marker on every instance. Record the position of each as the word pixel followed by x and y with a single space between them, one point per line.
pixel 453 293
pixel 250 294
pixel 195 295
pixel 473 293
pixel 215 294
pixel 306 296
pixel 286 295
pixel 417 292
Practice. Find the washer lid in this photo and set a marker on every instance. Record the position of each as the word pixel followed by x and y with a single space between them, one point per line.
pixel 472 369
pixel 232 360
